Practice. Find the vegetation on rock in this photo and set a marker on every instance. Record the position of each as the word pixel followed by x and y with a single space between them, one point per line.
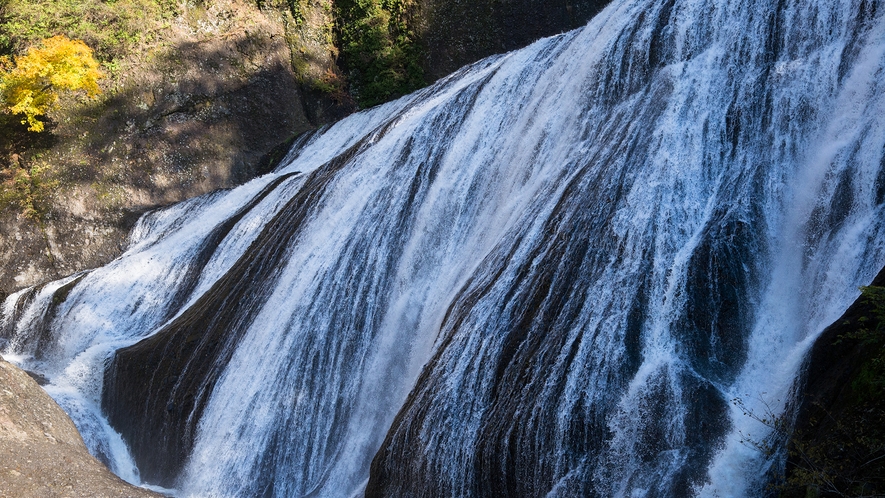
pixel 112 27
pixel 870 383
pixel 840 451
pixel 311 37
pixel 31 86
pixel 380 50
pixel 836 445
pixel 28 188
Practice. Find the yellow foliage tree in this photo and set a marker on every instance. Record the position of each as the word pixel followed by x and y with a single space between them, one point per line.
pixel 30 86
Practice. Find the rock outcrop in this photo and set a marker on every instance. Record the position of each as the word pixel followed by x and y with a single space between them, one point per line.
pixel 41 453
pixel 838 444
pixel 207 105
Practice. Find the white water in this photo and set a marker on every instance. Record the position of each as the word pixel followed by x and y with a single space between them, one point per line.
pixel 589 247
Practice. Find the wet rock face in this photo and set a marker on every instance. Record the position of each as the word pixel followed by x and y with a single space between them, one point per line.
pixel 70 242
pixel 184 359
pixel 41 452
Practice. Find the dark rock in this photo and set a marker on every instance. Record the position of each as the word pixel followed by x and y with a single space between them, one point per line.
pixel 459 33
pixel 156 389
pixel 840 416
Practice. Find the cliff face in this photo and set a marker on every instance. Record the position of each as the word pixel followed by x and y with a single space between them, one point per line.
pixel 838 445
pixel 41 453
pixel 460 32
pixel 210 102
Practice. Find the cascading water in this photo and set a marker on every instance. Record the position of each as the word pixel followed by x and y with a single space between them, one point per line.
pixel 548 274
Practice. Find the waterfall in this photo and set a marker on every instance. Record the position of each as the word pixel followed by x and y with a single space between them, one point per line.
pixel 547 274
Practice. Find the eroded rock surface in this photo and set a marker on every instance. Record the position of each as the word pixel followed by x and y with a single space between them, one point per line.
pixel 41 453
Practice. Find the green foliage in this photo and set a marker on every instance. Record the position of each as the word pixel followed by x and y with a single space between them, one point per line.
pixel 31 86
pixel 848 462
pixel 27 189
pixel 112 27
pixel 870 382
pixel 875 297
pixel 296 8
pixel 379 50
pixel 311 38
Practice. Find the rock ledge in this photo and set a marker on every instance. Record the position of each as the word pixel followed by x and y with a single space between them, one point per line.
pixel 41 453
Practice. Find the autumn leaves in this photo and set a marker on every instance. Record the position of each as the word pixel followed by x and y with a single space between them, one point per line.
pixel 30 84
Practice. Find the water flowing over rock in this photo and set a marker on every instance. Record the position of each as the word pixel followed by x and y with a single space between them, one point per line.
pixel 547 274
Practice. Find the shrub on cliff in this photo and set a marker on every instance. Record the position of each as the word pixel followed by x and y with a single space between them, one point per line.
pixel 379 49
pixel 30 86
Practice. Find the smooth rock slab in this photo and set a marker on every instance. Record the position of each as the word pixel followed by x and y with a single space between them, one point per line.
pixel 41 453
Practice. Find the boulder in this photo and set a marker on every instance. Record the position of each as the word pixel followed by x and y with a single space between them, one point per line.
pixel 41 453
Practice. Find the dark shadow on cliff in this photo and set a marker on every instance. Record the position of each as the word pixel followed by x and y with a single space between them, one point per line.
pixel 459 33
pixel 206 124
pixel 16 139
pixel 838 445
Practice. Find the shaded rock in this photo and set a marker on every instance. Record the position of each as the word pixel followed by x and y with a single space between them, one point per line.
pixel 840 420
pixel 461 32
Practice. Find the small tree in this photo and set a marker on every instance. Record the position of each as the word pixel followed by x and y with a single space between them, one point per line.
pixel 30 86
